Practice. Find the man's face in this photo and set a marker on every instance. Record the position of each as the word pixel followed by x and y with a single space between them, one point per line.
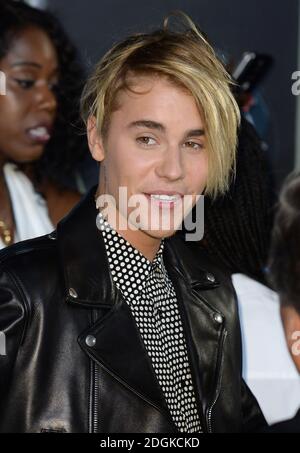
pixel 155 147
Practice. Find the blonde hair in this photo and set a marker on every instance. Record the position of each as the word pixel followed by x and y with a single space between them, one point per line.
pixel 189 61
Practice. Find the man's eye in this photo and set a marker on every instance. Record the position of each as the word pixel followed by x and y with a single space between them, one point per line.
pixel 194 145
pixel 148 141
pixel 25 83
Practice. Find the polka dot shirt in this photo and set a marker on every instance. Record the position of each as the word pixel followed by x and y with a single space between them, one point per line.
pixel 149 292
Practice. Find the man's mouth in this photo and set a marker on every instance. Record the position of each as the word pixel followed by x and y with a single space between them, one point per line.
pixel 163 199
pixel 168 198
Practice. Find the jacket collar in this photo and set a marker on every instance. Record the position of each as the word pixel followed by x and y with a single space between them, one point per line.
pixel 83 257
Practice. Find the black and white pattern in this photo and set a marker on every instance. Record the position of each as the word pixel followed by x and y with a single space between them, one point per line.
pixel 148 290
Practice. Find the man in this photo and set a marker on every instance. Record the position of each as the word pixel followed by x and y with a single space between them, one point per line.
pixel 116 324
pixel 285 275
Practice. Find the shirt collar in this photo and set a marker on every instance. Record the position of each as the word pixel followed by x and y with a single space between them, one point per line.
pixel 120 262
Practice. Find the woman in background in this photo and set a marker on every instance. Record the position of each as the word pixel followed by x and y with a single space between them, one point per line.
pixel 40 147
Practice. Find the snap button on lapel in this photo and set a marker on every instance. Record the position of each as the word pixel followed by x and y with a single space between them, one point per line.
pixel 210 278
pixel 90 341
pixel 73 293
pixel 218 318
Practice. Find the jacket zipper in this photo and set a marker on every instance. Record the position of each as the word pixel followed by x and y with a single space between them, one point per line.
pixel 101 366
pixel 96 398
pixel 94 392
pixel 219 374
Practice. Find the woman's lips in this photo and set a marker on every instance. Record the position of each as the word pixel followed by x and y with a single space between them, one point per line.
pixel 39 134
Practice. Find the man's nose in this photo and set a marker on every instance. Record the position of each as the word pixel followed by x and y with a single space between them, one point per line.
pixel 171 164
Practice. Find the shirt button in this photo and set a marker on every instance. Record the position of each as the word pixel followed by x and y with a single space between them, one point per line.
pixel 90 340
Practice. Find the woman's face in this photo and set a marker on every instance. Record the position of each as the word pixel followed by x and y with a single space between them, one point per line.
pixel 28 110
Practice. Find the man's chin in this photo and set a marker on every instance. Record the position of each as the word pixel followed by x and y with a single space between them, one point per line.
pixel 160 234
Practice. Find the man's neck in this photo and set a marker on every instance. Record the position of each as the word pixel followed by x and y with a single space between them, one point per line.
pixel 145 244
pixel 140 240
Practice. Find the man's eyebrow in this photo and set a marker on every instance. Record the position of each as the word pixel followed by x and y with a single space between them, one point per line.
pixel 148 124
pixel 158 126
pixel 195 133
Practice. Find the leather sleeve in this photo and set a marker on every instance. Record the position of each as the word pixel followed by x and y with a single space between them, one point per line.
pixel 12 330
pixel 253 418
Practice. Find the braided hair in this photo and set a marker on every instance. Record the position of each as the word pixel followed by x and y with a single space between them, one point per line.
pixel 67 146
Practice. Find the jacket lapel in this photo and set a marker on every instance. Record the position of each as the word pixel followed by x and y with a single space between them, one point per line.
pixel 204 331
pixel 119 349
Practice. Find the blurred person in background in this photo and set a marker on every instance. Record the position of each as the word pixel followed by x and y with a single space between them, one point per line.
pixel 285 276
pixel 40 147
pixel 238 233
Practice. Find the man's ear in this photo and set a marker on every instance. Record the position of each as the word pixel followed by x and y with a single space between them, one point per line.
pixel 95 140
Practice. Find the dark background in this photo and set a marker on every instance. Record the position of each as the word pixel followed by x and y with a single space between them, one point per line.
pixel 233 26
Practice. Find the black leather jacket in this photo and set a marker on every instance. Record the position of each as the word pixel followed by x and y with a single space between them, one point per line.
pixel 56 290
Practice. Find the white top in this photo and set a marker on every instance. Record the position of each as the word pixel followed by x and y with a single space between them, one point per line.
pixel 29 208
pixel 268 368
